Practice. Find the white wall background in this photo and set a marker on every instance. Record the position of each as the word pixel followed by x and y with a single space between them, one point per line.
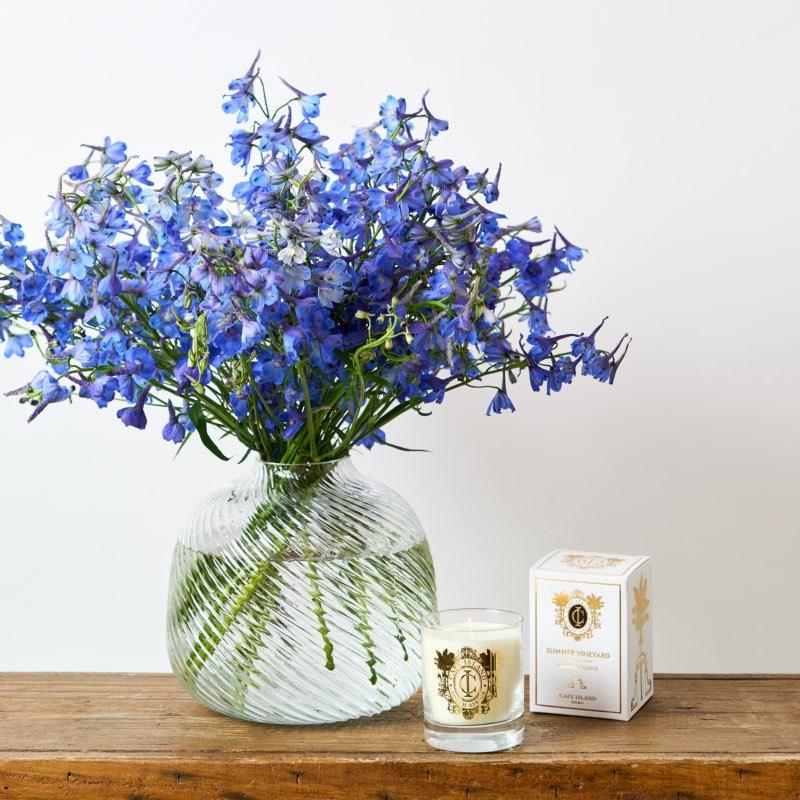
pixel 661 136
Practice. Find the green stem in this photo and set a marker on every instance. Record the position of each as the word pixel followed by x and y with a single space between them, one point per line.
pixel 301 373
pixel 312 573
pixel 206 645
pixel 238 590
pixel 359 597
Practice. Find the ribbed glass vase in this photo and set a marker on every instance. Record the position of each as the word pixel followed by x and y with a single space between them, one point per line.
pixel 296 595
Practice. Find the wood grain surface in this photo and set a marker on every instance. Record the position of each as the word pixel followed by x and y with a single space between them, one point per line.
pixel 141 737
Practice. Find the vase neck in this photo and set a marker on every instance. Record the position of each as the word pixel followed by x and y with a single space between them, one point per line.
pixel 286 476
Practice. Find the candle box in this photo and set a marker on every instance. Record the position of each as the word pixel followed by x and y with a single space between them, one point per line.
pixel 591 634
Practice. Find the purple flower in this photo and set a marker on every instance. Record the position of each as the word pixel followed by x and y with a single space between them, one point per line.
pixel 501 401
pixel 537 375
pixel 173 431
pixel 560 374
pixel 134 416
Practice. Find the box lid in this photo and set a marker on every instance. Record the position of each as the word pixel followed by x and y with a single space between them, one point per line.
pixel 584 562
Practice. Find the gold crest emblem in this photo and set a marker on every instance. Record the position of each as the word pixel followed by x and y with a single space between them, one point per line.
pixel 468 680
pixel 582 561
pixel 578 614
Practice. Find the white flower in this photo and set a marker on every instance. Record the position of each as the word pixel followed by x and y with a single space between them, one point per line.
pixel 243 221
pixel 331 243
pixel 308 231
pixel 172 161
pixel 270 228
pixel 292 253
pixel 201 165
pixel 204 240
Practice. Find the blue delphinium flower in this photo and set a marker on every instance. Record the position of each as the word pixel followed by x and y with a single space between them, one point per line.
pixel 77 173
pixel 435 125
pixel 330 290
pixel 603 365
pixel 42 391
pixel 537 375
pixel 500 402
pixel 134 416
pixel 12 231
pixel 241 97
pixel 491 191
pixel 140 364
pixel 141 173
pixel 15 345
pixel 393 111
pixel 561 373
pixel 102 390
pixel 173 431
pixel 309 103
pixel 114 151
pixel 74 291
pixel 252 332
pixel 334 280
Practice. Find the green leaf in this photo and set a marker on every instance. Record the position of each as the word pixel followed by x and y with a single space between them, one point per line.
pixel 400 447
pixel 246 453
pixel 196 416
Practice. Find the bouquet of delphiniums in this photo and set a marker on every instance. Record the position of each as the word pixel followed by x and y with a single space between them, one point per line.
pixel 336 288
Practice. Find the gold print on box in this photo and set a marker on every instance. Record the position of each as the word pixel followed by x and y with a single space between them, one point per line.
pixel 577 614
pixel 468 681
pixel 640 615
pixel 580 561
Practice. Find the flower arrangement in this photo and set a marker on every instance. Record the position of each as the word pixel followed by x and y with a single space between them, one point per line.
pixel 337 287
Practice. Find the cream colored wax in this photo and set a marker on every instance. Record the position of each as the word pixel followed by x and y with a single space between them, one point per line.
pixel 468 682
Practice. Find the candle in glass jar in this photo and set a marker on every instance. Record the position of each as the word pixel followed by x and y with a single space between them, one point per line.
pixel 472 675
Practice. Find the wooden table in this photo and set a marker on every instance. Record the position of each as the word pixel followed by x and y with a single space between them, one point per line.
pixel 140 737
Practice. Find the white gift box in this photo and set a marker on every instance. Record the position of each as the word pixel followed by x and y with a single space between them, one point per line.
pixel 591 634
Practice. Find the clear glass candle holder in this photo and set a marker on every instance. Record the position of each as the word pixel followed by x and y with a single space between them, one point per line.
pixel 472 681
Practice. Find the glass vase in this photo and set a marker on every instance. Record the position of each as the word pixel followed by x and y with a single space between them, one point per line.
pixel 296 596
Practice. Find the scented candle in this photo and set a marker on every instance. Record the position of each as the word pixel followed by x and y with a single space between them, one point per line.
pixel 472 679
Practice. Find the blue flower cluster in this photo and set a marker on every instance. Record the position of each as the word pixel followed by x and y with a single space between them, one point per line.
pixel 337 288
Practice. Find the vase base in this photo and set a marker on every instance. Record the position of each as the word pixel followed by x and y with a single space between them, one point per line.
pixel 475 738
pixel 310 716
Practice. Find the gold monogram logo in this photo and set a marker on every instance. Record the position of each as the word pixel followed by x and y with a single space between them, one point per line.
pixel 468 681
pixel 577 614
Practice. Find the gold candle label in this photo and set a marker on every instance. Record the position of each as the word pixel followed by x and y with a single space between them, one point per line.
pixel 467 680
